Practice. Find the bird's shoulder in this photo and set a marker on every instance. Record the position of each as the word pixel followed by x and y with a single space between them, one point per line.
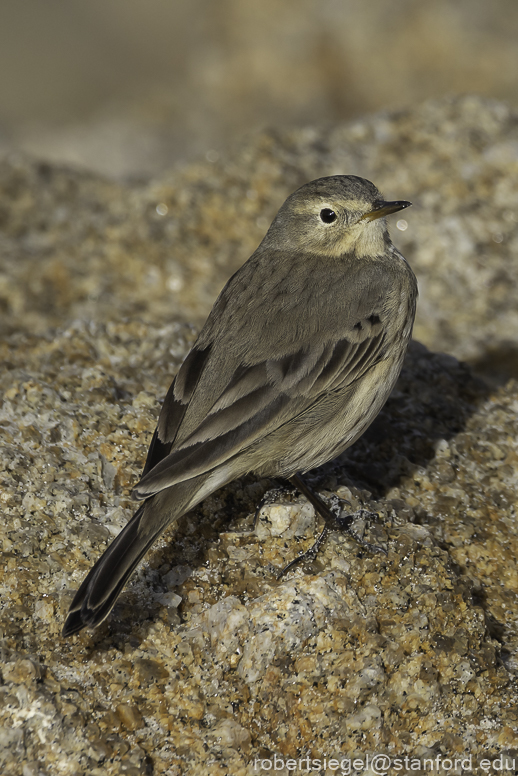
pixel 290 331
pixel 278 299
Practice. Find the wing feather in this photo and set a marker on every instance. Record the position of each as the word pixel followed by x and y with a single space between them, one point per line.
pixel 175 404
pixel 256 400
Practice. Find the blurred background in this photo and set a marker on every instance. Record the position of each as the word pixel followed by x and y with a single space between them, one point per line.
pixel 130 87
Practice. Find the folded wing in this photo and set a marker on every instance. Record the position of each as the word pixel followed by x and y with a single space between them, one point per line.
pixel 195 433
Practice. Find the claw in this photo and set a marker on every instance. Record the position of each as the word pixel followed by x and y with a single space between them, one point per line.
pixel 310 554
pixel 333 518
pixel 272 497
pixel 347 521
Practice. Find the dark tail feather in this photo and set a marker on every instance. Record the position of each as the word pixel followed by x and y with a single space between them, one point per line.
pixel 97 595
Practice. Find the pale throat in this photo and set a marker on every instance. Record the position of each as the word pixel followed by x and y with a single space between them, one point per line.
pixel 371 239
pixel 363 240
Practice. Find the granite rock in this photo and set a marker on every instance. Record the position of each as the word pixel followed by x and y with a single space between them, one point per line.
pixel 209 663
pixel 75 246
pixel 208 660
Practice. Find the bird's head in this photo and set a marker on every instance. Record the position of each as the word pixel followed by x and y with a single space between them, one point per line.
pixel 341 214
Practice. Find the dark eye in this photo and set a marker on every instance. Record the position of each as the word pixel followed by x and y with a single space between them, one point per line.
pixel 327 215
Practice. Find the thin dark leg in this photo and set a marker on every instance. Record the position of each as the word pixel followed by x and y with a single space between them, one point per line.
pixel 331 522
pixel 320 506
pixel 310 554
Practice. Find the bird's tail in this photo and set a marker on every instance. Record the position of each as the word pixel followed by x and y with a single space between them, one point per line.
pixel 97 595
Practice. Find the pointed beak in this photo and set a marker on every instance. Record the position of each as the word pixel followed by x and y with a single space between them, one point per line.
pixel 385 209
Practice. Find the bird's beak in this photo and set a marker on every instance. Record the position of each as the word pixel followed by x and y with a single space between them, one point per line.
pixel 385 209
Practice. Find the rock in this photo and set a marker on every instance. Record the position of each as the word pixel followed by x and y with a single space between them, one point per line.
pixel 348 650
pixel 75 246
pixel 356 653
pixel 130 716
pixel 178 84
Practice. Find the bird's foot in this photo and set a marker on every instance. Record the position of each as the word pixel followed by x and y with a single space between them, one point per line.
pixel 333 514
pixel 310 554
pixel 347 522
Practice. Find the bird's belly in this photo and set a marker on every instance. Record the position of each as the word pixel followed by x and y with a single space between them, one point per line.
pixel 330 426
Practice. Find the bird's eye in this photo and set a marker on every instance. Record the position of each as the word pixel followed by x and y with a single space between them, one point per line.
pixel 327 215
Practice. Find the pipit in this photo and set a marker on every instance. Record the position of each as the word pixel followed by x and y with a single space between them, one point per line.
pixel 296 359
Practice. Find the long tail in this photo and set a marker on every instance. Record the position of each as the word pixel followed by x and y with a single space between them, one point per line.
pixel 97 595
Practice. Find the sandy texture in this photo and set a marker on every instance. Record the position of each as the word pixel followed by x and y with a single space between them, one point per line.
pixel 75 246
pixel 359 652
pixel 208 662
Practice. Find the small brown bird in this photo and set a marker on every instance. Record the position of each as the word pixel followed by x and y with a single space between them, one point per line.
pixel 296 359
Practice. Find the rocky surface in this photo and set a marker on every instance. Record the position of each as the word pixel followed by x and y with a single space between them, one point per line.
pixel 208 658
pixel 128 88
pixel 75 246
pixel 209 663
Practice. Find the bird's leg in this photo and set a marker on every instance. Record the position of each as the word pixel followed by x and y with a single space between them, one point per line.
pixel 345 523
pixel 310 554
pixel 314 499
pixel 332 521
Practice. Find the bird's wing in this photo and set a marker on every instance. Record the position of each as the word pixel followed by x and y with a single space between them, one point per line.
pixel 255 400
